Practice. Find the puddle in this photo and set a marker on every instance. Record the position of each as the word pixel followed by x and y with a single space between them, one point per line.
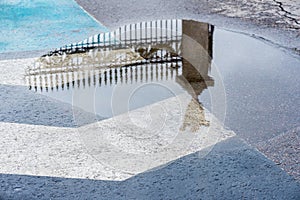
pixel 167 74
pixel 134 66
pixel 141 86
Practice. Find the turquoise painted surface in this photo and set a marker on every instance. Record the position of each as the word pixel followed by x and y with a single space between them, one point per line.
pixel 27 25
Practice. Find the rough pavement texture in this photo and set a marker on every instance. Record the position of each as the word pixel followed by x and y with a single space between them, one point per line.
pixel 282 14
pixel 231 171
pixel 49 151
pixel 284 150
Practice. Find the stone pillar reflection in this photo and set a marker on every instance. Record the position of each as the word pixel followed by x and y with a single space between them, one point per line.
pixel 196 51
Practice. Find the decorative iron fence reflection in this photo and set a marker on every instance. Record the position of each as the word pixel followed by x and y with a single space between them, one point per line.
pixel 121 56
pixel 155 41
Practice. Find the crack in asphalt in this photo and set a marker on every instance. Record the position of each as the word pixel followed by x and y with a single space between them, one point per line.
pixel 287 13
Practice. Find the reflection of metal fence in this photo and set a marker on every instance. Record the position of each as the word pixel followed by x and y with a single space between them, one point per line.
pixel 145 42
pixel 153 32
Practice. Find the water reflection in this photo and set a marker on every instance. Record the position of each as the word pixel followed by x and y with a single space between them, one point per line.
pixel 161 51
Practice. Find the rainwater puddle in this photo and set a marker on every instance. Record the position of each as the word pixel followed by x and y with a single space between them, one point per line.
pixel 134 66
